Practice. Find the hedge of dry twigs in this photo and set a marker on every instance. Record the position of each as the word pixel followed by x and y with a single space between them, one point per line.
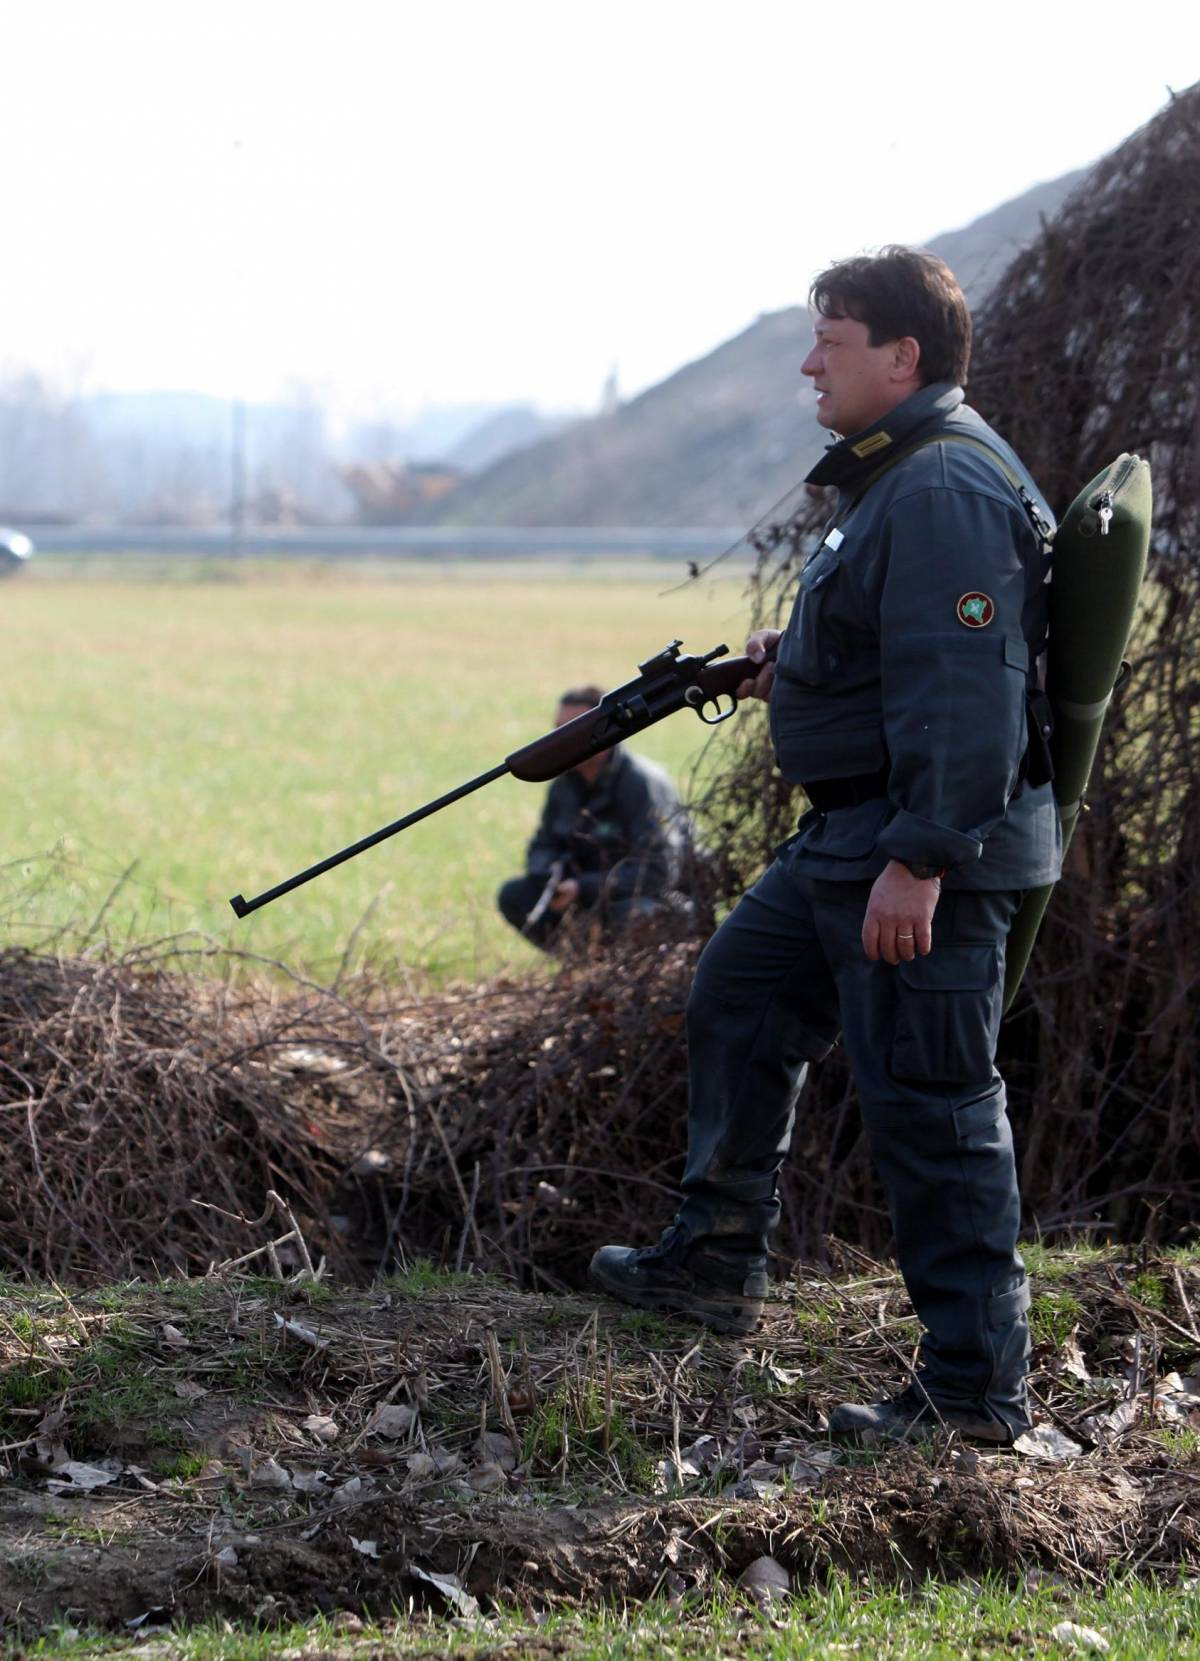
pixel 126 1095
pixel 147 1113
pixel 1087 347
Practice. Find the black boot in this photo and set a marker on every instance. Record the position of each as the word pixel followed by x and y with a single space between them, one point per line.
pixel 708 1279
pixel 913 1414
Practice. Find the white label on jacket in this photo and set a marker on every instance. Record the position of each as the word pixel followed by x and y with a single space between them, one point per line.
pixel 835 539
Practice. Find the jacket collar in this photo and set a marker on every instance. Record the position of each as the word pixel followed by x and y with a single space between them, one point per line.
pixel 853 459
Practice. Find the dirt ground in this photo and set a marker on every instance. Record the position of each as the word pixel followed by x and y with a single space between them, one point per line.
pixel 267 1450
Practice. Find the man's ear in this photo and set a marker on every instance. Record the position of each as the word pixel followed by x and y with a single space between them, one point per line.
pixel 906 357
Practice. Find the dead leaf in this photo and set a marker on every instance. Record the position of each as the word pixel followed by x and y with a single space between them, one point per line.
pixel 149 1621
pixel 1071 1357
pixel 302 1333
pixel 485 1479
pixel 668 1476
pixel 391 1419
pixel 766 1581
pixel 270 1475
pixel 450 1588
pixel 1080 1637
pixel 186 1390
pixel 366 1548
pixel 51 1423
pixel 496 1448
pixel 752 1488
pixel 309 1482
pixel 704 1454
pixel 226 1558
pixel 303 1059
pixel 321 1426
pixel 352 1489
pixel 173 1336
pixel 1102 1427
pixel 819 1454
pixel 1175 1409
pixel 50 1447
pixel 1047 1442
pixel 803 1474
pixel 74 1474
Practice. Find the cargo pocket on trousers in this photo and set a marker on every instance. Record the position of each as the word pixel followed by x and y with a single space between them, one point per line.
pixel 948 1016
pixel 1003 1308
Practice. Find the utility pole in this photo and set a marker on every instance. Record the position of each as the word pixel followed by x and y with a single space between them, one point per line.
pixel 237 478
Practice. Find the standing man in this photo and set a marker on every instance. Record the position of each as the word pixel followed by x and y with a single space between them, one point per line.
pixel 898 703
pixel 610 842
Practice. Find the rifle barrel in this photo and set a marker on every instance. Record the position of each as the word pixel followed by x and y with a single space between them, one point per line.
pixel 244 907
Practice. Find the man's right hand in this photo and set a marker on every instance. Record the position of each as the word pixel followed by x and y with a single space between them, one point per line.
pixel 759 644
pixel 565 894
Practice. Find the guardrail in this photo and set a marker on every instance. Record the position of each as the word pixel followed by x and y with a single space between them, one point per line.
pixel 450 542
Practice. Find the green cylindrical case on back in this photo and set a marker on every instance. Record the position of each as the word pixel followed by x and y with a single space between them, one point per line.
pixel 1098 564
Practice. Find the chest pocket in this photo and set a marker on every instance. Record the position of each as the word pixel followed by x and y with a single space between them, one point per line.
pixel 806 650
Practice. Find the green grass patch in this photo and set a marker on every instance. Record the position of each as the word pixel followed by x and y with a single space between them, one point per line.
pixel 576 1428
pixel 1053 1317
pixel 1147 1288
pixel 1045 1262
pixel 177 745
pixel 1183 1445
pixel 422 1275
pixel 936 1622
pixel 34 1385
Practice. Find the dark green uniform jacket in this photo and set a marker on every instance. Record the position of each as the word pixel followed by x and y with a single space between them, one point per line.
pixel 909 653
pixel 623 832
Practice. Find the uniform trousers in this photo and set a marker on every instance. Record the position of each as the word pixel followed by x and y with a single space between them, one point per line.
pixel 781 978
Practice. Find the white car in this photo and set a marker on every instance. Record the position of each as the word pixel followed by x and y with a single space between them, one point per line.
pixel 15 549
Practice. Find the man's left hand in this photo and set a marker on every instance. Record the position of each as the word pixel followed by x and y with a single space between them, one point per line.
pixel 899 920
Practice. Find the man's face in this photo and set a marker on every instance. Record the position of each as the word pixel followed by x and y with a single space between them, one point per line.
pixel 857 384
pixel 594 765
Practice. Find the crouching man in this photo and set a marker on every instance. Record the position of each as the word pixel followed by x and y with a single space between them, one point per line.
pixel 608 848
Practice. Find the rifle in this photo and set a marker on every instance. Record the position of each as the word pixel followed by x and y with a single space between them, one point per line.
pixel 664 684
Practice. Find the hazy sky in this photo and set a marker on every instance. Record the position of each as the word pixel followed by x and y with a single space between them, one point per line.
pixel 401 201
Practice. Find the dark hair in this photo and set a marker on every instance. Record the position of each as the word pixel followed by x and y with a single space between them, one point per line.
pixel 588 696
pixel 900 291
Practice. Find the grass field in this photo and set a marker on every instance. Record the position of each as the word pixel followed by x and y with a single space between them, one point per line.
pixel 174 734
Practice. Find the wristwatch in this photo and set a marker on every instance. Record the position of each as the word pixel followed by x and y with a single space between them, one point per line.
pixel 924 873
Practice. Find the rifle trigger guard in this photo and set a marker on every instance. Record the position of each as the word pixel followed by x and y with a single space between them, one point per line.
pixel 715 720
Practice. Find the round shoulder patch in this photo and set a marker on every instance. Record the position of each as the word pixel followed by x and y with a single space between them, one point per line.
pixel 976 610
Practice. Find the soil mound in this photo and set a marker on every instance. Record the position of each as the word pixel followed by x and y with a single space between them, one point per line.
pixel 262 1451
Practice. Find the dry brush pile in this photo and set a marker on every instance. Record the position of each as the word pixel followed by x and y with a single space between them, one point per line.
pixel 147 1113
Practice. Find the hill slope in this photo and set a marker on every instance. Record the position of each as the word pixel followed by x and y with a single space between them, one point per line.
pixel 724 437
